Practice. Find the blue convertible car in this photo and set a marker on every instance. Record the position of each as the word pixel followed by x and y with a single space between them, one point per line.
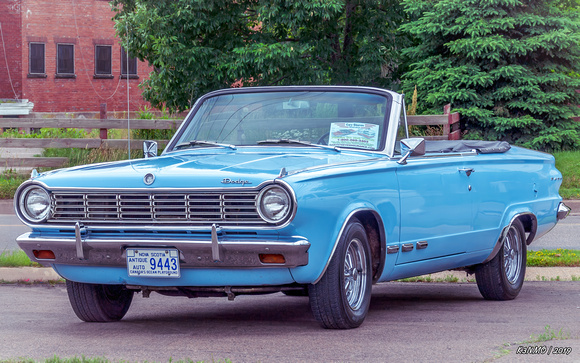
pixel 312 190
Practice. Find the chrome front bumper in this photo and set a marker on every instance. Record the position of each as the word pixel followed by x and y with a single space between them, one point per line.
pixel 219 252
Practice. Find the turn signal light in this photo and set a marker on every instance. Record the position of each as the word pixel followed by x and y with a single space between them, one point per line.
pixel 44 254
pixel 272 258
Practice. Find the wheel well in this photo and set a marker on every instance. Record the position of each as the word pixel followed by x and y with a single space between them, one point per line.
pixel 373 226
pixel 530 226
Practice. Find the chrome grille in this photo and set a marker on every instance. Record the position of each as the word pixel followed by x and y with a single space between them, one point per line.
pixel 191 208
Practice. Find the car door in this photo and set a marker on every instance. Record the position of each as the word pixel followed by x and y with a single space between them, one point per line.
pixel 436 207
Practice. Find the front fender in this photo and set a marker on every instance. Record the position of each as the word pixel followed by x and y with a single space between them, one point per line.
pixel 325 240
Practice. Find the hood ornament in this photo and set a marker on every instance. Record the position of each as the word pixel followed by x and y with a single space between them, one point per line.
pixel 148 179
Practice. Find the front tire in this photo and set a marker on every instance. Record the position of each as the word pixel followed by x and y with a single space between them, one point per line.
pixel 340 300
pixel 502 278
pixel 98 303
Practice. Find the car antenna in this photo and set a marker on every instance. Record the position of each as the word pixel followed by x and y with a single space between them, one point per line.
pixel 128 99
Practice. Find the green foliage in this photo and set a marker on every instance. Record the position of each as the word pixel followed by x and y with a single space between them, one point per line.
pixel 16 259
pixel 569 165
pixel 508 66
pixel 147 114
pixel 197 46
pixel 549 334
pixel 91 156
pixel 553 258
pixel 45 133
pixel 9 182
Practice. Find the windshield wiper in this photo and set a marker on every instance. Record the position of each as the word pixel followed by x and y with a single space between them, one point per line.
pixel 297 142
pixel 199 142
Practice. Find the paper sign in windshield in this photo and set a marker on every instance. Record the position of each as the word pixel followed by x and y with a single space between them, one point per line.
pixel 354 134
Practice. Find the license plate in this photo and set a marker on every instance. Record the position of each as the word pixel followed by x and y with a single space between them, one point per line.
pixel 152 262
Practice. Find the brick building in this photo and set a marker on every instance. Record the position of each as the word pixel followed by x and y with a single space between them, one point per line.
pixel 63 56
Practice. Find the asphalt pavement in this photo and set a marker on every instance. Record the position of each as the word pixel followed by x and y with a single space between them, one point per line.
pixel 407 322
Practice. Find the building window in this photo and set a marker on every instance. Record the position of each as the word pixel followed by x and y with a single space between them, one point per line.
pixel 65 60
pixel 132 65
pixel 36 60
pixel 103 60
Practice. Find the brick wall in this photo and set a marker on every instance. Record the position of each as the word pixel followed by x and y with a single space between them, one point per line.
pixel 10 49
pixel 83 23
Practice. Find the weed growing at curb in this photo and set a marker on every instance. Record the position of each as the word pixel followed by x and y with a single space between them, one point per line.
pixel 547 335
pixel 429 278
pixel 16 259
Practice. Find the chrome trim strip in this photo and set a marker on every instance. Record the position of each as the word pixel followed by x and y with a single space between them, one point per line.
pixel 393 125
pixel 392 249
pixel 149 189
pixel 421 245
pixel 338 165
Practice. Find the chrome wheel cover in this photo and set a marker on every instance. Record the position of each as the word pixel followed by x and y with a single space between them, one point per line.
pixel 512 255
pixel 355 274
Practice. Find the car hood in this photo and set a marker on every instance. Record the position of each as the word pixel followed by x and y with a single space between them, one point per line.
pixel 201 169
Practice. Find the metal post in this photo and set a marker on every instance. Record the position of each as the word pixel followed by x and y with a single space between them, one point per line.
pixel 103 116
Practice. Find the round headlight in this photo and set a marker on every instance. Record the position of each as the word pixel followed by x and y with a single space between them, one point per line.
pixel 35 204
pixel 274 204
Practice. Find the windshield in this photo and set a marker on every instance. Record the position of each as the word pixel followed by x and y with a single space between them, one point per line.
pixel 337 119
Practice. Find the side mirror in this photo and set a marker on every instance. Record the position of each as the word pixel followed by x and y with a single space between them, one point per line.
pixel 411 147
pixel 149 149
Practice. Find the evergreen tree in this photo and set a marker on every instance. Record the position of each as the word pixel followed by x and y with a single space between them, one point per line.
pixel 198 45
pixel 508 66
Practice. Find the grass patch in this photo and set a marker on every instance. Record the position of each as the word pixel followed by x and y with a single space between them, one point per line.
pixel 429 278
pixel 568 162
pixel 9 182
pixel 547 335
pixel 554 258
pixel 16 259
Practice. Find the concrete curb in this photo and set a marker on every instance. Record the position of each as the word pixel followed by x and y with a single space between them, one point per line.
pixel 532 274
pixel 27 274
pixel 46 274
pixel 6 206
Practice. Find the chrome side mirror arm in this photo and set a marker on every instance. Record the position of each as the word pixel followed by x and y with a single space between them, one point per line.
pixel 149 149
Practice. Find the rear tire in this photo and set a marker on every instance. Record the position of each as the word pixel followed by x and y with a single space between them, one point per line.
pixel 98 303
pixel 341 299
pixel 502 278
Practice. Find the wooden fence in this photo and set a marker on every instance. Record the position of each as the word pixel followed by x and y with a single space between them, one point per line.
pixel 449 121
